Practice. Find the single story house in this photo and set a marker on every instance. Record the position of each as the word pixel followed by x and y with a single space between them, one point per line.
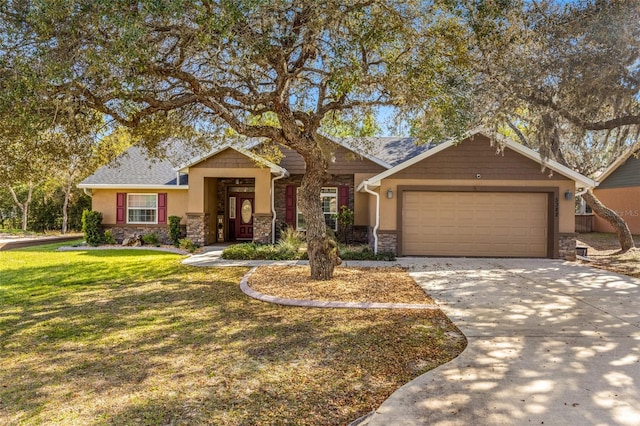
pixel 463 197
pixel 619 190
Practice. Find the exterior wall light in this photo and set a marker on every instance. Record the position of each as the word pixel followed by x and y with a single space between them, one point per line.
pixel 389 193
pixel 568 195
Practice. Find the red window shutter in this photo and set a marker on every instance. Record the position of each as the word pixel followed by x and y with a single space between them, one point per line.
pixel 290 205
pixel 121 207
pixel 162 208
pixel 343 196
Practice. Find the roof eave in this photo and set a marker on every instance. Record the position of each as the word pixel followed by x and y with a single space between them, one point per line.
pixel 620 161
pixel 580 180
pixel 273 168
pixel 129 186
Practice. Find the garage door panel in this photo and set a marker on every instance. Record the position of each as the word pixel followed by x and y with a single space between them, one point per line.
pixel 474 224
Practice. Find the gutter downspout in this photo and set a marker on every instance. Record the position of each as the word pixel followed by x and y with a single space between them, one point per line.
pixel 375 228
pixel 283 174
pixel 86 193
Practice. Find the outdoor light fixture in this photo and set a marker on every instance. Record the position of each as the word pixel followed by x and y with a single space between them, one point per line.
pixel 568 195
pixel 389 193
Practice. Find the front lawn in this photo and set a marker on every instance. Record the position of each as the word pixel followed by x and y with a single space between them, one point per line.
pixel 135 337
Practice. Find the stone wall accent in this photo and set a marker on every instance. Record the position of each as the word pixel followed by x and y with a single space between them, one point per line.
pixel 198 227
pixel 121 232
pixel 387 241
pixel 567 246
pixel 262 228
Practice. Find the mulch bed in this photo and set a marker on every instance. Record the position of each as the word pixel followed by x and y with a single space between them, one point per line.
pixel 382 285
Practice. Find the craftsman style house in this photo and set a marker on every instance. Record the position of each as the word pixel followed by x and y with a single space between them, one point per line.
pixel 463 197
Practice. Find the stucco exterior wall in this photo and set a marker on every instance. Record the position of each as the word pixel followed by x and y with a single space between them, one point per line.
pixel 361 202
pixel 625 201
pixel 104 201
pixel 197 201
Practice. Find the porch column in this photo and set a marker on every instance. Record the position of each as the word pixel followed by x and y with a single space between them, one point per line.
pixel 262 228
pixel 198 227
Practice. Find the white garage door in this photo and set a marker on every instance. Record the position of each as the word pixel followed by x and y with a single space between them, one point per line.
pixel 488 224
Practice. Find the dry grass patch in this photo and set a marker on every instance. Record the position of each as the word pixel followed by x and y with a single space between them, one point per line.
pixel 603 251
pixel 134 337
pixel 383 285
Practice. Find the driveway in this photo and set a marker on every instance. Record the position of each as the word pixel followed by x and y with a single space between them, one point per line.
pixel 549 342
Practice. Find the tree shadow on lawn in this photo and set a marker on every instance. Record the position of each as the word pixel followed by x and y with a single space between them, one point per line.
pixel 185 345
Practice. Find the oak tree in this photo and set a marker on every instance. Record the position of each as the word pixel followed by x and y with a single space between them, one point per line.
pixel 564 78
pixel 215 64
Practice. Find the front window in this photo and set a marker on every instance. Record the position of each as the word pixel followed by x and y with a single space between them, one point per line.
pixel 329 201
pixel 142 208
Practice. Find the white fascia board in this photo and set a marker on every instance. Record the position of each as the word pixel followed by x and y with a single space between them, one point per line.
pixel 195 160
pixel 375 180
pixel 128 186
pixel 620 161
pixel 274 168
pixel 580 180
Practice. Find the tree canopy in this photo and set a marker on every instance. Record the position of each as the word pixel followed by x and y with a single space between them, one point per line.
pixel 168 66
pixel 564 78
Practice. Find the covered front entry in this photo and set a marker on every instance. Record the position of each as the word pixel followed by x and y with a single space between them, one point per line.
pixel 468 223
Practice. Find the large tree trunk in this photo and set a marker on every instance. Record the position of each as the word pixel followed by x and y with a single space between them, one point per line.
pixel 619 225
pixel 321 249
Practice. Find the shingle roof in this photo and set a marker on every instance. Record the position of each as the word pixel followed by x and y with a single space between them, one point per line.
pixel 396 150
pixel 135 167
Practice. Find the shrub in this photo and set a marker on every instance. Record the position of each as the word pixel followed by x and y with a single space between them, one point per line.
pixel 151 239
pixel 174 230
pixel 109 238
pixel 364 253
pixel 345 222
pixel 92 227
pixel 188 245
pixel 255 251
pixel 290 240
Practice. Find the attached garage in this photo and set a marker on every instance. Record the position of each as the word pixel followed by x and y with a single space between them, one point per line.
pixel 484 224
pixel 479 196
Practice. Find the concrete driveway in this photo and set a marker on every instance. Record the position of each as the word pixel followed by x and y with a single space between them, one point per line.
pixel 549 342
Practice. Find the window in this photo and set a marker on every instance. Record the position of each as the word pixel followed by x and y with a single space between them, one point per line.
pixel 329 201
pixel 142 208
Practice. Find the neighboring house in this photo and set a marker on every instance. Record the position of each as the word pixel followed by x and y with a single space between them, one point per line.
pixel 459 198
pixel 619 190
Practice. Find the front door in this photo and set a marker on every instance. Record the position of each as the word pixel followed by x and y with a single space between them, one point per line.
pixel 244 215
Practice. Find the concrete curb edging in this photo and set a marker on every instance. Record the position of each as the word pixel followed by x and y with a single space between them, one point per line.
pixel 246 289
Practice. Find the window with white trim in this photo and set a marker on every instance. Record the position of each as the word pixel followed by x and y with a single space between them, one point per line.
pixel 329 201
pixel 142 208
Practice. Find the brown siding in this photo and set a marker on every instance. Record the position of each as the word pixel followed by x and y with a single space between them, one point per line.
pixel 346 162
pixel 475 156
pixel 227 159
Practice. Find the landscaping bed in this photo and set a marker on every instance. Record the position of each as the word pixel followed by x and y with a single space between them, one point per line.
pixel 383 285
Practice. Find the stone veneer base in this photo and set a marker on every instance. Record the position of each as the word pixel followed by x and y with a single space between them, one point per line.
pixel 567 246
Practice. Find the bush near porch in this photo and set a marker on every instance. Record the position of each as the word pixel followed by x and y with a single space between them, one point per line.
pixel 255 251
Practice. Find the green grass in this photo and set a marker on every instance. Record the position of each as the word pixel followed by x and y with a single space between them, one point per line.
pixel 135 337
